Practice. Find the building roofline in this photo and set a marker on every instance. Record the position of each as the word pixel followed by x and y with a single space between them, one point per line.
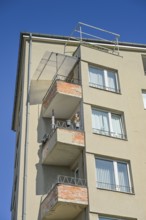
pixel 132 44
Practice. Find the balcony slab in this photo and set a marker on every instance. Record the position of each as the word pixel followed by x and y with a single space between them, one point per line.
pixel 63 148
pixel 64 202
pixel 66 95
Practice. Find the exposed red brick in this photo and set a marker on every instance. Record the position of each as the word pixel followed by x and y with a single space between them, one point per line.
pixel 78 137
pixel 72 193
pixel 62 87
pixel 68 88
pixel 66 194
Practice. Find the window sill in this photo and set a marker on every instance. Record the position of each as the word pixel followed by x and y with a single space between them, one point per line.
pixel 104 89
pixel 117 191
pixel 110 136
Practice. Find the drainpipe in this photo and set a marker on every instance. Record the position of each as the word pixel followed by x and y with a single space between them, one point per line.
pixel 26 134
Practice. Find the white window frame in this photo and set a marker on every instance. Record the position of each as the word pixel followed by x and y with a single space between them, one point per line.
pixel 105 86
pixel 144 98
pixel 115 168
pixel 111 132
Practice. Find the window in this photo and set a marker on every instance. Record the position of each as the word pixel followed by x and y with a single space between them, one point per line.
pixel 144 98
pixel 103 79
pixel 144 62
pixel 113 175
pixel 107 123
pixel 107 218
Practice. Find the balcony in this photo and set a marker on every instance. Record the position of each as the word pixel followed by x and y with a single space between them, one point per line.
pixel 66 199
pixel 62 145
pixel 64 92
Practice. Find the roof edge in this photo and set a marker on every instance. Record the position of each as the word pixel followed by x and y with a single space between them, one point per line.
pixel 132 44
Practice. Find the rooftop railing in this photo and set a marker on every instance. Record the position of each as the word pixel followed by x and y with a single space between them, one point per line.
pixel 93 36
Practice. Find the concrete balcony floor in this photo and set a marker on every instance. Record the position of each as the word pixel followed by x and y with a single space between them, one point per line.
pixel 63 147
pixel 64 202
pixel 63 97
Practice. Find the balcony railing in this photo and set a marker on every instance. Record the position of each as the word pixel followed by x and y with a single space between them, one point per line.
pixel 114 187
pixel 60 124
pixel 61 78
pixel 71 180
pixel 109 133
pixel 67 180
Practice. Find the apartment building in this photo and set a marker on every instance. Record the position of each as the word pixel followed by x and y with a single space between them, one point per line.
pixel 79 117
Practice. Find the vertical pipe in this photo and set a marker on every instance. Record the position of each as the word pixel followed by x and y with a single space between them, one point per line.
pixel 26 134
pixel 53 119
pixel 80 34
pixel 117 41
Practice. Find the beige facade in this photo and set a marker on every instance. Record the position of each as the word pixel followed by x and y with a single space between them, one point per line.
pixel 79 118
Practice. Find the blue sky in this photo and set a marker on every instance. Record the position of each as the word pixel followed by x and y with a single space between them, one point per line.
pixel 125 17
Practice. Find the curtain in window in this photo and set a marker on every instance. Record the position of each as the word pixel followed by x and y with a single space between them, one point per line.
pixel 105 174
pixel 93 75
pixel 117 125
pixel 111 81
pixel 96 77
pixel 100 122
pixel 123 177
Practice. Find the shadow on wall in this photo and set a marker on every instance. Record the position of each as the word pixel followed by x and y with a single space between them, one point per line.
pixel 43 128
pixel 47 175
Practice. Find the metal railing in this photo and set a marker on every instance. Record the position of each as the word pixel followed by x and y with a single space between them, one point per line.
pixel 60 124
pixel 114 187
pixel 68 180
pixel 109 133
pixel 57 77
pixel 71 180
pixel 99 86
pixel 89 35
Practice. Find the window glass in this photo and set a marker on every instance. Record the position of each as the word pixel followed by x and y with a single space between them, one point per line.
pixel 112 81
pixel 103 79
pixel 117 125
pixel 107 123
pixel 144 98
pixel 100 121
pixel 113 175
pixel 104 218
pixel 123 177
pixel 107 218
pixel 105 174
pixel 96 77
